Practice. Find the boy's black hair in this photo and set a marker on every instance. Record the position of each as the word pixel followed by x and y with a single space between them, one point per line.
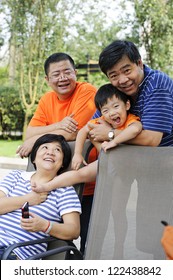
pixel 57 57
pixel 115 51
pixel 49 138
pixel 108 91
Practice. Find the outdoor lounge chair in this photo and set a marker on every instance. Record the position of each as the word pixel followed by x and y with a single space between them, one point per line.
pixel 133 193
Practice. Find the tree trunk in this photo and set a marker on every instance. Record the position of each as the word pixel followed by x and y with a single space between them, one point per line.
pixel 25 124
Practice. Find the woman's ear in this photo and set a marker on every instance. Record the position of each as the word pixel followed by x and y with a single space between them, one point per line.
pixel 128 105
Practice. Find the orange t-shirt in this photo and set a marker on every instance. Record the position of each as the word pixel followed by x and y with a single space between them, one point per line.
pixel 51 110
pixel 130 119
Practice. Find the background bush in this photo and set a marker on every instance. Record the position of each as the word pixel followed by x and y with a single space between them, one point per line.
pixel 11 113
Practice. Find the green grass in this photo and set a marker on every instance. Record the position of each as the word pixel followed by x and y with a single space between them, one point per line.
pixel 8 147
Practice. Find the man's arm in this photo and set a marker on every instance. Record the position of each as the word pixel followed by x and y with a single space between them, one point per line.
pixel 25 149
pixel 67 127
pixel 145 138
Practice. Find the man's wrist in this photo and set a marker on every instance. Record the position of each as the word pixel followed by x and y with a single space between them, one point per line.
pixel 111 134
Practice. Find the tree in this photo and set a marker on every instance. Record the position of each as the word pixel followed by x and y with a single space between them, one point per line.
pixel 42 27
pixel 33 34
pixel 154 25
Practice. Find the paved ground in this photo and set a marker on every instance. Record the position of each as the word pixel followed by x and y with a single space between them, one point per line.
pixel 7 164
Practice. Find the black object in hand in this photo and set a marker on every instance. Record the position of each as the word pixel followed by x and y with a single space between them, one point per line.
pixel 25 210
pixel 164 223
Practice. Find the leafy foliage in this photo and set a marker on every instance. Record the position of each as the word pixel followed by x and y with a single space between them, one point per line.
pixel 39 28
pixel 11 113
pixel 154 23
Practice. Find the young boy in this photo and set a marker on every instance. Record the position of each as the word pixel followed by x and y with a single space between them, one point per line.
pixel 114 106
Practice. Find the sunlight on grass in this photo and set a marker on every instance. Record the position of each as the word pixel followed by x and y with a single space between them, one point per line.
pixel 8 147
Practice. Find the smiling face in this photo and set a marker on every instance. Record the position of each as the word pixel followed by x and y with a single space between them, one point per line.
pixel 126 76
pixel 115 111
pixel 62 78
pixel 49 157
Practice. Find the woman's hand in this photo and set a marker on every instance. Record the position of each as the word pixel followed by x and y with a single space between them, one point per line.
pixel 35 198
pixel 34 224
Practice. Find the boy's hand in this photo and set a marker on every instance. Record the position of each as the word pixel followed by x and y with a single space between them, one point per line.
pixel 77 160
pixel 108 145
pixel 36 198
pixel 40 188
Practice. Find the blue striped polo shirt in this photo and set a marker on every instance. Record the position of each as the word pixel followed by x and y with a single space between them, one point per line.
pixel 154 104
pixel 59 202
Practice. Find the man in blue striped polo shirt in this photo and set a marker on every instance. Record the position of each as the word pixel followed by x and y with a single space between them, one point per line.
pixel 152 95
pixel 151 91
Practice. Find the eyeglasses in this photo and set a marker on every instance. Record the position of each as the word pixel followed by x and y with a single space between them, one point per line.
pixel 59 75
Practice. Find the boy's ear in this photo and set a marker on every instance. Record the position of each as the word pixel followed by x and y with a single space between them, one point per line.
pixel 128 105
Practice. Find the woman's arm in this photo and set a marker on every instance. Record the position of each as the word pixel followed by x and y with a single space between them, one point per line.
pixel 69 229
pixel 9 204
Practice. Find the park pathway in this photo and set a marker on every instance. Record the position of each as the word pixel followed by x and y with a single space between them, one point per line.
pixel 7 164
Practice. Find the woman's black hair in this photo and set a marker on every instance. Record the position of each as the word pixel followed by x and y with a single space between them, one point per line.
pixel 49 138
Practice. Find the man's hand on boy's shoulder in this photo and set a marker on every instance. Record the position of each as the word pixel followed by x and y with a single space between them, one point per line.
pixel 99 131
